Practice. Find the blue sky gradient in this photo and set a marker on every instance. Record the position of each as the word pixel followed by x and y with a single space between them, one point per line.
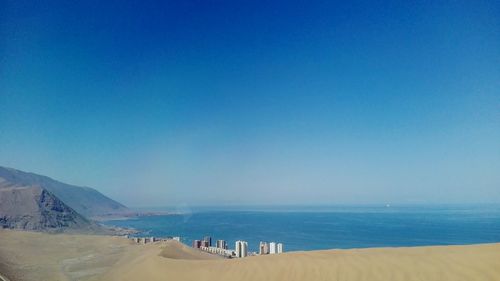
pixel 253 102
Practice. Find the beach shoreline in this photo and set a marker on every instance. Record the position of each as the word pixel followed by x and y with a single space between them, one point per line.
pixel 132 215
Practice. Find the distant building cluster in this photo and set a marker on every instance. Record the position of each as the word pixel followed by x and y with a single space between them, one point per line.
pixel 220 247
pixel 270 248
pixel 206 242
pixel 152 239
pixel 240 248
pixel 221 244
pixel 144 240
pixel 218 251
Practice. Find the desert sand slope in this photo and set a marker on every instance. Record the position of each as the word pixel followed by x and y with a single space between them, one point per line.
pixel 28 256
pixel 479 262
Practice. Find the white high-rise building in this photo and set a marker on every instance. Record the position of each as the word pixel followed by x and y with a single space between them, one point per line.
pixel 279 248
pixel 245 249
pixel 241 248
pixel 272 248
pixel 237 248
pixel 263 248
pixel 221 244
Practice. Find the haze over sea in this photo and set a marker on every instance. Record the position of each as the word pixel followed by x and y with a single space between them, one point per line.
pixel 328 227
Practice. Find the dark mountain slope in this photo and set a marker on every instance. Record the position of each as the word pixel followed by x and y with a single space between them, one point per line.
pixel 84 200
pixel 34 208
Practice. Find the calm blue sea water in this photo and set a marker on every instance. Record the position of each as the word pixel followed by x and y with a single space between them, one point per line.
pixel 313 228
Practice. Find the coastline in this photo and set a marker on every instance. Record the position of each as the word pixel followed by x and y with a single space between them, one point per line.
pixel 118 230
pixel 327 229
pixel 129 216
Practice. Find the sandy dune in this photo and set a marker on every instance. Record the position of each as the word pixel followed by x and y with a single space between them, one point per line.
pixel 174 250
pixel 34 256
pixel 480 262
pixel 37 256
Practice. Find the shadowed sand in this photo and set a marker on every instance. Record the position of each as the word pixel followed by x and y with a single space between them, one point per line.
pixel 35 256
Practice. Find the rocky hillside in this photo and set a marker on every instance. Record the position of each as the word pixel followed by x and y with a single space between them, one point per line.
pixel 34 202
pixel 34 208
pixel 84 200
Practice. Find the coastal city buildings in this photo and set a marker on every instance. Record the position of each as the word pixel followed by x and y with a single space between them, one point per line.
pixel 279 248
pixel 221 244
pixel 208 241
pixel 241 249
pixel 263 248
pixel 272 248
pixel 146 240
pixel 218 251
pixel 196 244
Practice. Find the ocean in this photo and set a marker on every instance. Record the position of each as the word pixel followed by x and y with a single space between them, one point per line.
pixel 329 227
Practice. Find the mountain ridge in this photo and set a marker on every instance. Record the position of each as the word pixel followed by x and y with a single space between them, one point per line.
pixel 35 208
pixel 35 202
pixel 85 200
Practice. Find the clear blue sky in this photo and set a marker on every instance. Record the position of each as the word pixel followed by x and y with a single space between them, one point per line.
pixel 206 102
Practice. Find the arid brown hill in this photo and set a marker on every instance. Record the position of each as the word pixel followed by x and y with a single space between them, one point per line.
pixel 84 200
pixel 33 202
